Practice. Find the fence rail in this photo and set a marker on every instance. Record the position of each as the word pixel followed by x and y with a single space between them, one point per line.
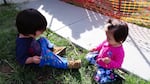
pixel 128 10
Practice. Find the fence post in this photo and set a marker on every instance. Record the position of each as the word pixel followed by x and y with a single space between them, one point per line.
pixel 119 7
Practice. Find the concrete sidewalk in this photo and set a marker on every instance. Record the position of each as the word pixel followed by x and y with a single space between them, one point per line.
pixel 85 28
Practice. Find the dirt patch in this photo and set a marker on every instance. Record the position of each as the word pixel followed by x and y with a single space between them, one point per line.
pixel 5 68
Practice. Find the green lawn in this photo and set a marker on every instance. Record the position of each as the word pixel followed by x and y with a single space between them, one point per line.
pixel 12 73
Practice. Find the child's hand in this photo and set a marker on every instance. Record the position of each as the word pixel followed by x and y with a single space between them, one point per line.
pixel 36 59
pixel 94 49
pixel 106 60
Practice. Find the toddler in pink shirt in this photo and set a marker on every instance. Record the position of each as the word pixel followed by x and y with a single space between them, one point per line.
pixel 109 54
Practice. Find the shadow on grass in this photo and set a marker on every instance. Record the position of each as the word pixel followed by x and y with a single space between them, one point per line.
pixel 49 75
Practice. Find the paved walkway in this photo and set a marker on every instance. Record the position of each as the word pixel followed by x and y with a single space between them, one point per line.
pixel 85 28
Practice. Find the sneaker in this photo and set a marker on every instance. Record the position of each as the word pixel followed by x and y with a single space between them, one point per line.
pixel 59 50
pixel 75 64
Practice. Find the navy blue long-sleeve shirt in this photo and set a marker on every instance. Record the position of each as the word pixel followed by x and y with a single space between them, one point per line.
pixel 26 47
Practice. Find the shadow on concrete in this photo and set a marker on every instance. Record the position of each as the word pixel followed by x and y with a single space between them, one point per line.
pixel 56 10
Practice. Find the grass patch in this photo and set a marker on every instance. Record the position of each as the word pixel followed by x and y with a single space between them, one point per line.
pixel 12 73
